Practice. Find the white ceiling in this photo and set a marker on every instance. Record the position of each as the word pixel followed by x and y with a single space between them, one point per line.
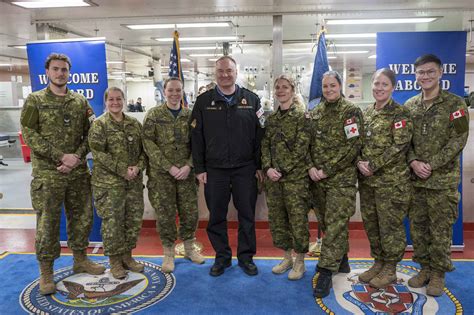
pixel 251 19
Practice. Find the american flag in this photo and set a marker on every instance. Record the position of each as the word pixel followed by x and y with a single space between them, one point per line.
pixel 175 63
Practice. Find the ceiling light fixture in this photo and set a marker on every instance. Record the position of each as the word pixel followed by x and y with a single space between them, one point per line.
pixel 199 48
pixel 372 57
pixel 51 4
pixel 381 21
pixel 348 52
pixel 177 25
pixel 355 45
pixel 5 65
pixel 203 55
pixel 199 39
pixel 185 60
pixel 332 57
pixel 353 35
pixel 17 46
pixel 114 62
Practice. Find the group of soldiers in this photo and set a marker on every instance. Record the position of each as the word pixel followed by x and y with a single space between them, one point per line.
pixel 402 159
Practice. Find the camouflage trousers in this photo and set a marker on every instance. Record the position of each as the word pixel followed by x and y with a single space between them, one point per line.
pixel 334 207
pixel 432 214
pixel 47 197
pixel 288 214
pixel 169 197
pixel 383 210
pixel 121 210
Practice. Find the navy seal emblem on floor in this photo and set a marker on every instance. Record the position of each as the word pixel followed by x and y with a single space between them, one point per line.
pixel 103 294
pixel 350 296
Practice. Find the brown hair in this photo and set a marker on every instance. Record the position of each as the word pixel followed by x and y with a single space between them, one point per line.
pixel 388 73
pixel 172 79
pixel 112 88
pixel 228 58
pixel 296 100
pixel 57 56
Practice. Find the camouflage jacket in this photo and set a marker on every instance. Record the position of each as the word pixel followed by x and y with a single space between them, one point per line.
pixel 285 145
pixel 115 146
pixel 53 126
pixel 385 142
pixel 335 141
pixel 439 136
pixel 166 139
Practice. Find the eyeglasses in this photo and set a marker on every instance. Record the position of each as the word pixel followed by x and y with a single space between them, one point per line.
pixel 430 73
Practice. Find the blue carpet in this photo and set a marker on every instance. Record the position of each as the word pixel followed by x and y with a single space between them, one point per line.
pixel 190 290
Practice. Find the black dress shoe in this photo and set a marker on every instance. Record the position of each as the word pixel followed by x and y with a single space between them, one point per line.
pixel 249 267
pixel 218 268
pixel 323 284
pixel 344 267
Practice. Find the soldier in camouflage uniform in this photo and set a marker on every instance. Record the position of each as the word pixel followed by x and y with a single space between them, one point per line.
pixel 171 185
pixel 441 126
pixel 384 180
pixel 55 122
pixel 336 125
pixel 115 140
pixel 285 150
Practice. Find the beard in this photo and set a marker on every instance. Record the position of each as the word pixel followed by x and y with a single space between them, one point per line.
pixel 57 83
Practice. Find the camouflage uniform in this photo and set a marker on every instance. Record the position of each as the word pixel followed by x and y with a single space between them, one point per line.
pixel 385 196
pixel 440 134
pixel 167 143
pixel 285 147
pixel 334 147
pixel 53 126
pixel 115 146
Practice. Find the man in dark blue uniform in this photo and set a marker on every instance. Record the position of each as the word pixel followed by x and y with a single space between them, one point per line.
pixel 227 124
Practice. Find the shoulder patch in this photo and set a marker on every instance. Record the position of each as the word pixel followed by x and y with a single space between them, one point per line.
pixel 260 112
pixel 400 124
pixel 350 121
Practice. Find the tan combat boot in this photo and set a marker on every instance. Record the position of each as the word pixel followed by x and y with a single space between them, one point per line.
pixel 284 265
pixel 83 264
pixel 116 267
pixel 386 276
pixel 298 269
pixel 191 253
pixel 367 275
pixel 421 279
pixel 168 259
pixel 131 264
pixel 46 282
pixel 436 285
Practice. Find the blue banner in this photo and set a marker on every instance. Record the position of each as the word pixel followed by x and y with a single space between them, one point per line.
pixel 321 65
pixel 398 51
pixel 88 76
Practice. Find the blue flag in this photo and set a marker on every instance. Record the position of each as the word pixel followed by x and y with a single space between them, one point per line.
pixel 175 63
pixel 321 65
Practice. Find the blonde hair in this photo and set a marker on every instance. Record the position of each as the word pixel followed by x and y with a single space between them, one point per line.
pixel 296 100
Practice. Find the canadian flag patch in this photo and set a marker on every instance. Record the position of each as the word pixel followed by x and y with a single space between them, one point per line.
pixel 457 114
pixel 351 131
pixel 350 121
pixel 400 124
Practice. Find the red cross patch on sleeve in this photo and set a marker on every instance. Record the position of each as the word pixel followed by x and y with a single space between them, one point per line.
pixel 400 124
pixel 457 114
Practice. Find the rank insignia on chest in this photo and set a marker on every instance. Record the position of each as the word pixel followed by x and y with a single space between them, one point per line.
pixel 307 115
pixel 457 114
pixel 193 123
pixel 130 138
pixel 67 120
pixel 400 124
pixel 213 103
pixel 369 133
pixel 351 130
pixel 350 121
pixel 244 101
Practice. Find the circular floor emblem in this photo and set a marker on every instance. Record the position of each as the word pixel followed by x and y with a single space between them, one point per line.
pixel 350 296
pixel 103 294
